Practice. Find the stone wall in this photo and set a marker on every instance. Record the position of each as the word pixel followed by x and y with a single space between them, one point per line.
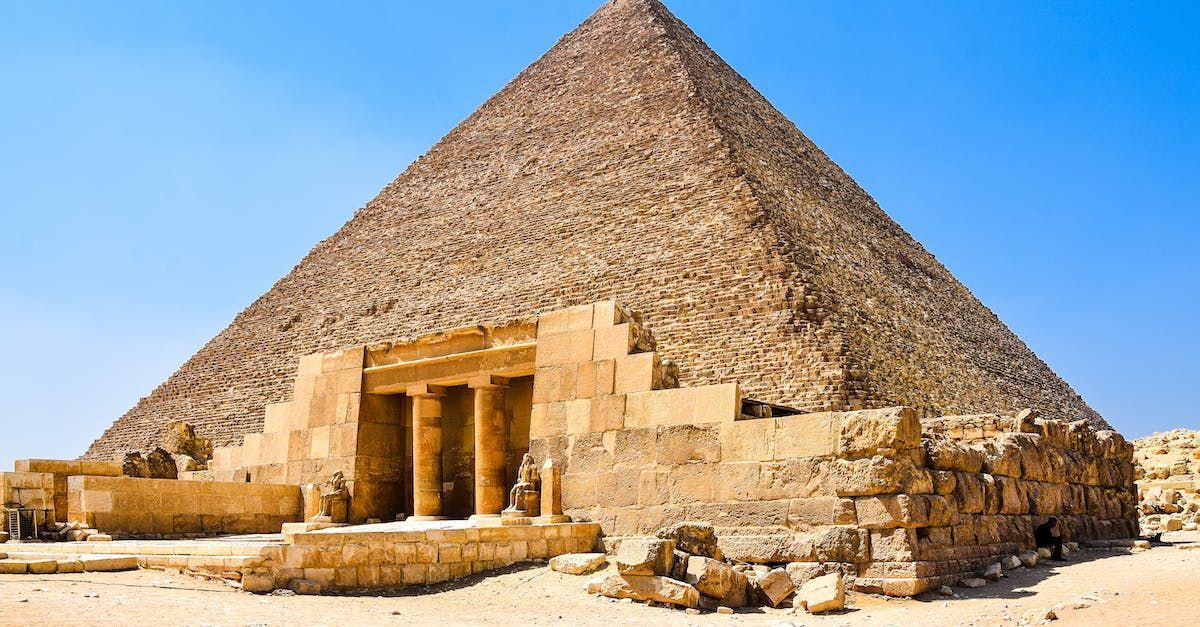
pixel 61 469
pixel 363 558
pixel 631 163
pixel 129 507
pixel 32 490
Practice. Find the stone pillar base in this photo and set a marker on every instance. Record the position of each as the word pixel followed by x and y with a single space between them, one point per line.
pixel 425 518
pixel 552 520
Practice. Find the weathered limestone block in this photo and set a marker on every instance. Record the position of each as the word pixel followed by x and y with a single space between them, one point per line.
pixel 775 586
pixel 879 475
pixel 878 431
pixel 134 465
pixel 695 537
pixel 645 556
pixel 1029 559
pixel 942 453
pixel 1010 562
pixel 826 593
pixel 578 563
pixel 903 510
pixel 650 588
pixel 713 578
pixel 1001 458
pixel 805 513
pixel 161 465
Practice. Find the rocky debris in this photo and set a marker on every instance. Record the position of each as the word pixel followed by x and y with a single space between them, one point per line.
pixel 180 439
pixel 578 563
pixel 946 591
pixel 1044 553
pixel 134 465
pixel 655 570
pixel 1010 562
pixel 1029 559
pixel 697 538
pixel 1168 471
pixel 645 556
pixel 826 593
pixel 650 588
pixel 973 582
pixel 774 587
pixel 161 464
pixel 993 572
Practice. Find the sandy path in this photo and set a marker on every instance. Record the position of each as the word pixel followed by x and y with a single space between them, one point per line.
pixel 1157 587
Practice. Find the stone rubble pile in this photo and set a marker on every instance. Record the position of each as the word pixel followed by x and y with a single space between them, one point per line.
pixel 684 567
pixel 1168 467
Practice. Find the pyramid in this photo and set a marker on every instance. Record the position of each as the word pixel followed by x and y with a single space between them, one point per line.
pixel 629 163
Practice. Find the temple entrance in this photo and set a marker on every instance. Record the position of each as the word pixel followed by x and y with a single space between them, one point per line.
pixel 447 451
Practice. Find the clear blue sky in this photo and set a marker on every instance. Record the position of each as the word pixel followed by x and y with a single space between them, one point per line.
pixel 163 163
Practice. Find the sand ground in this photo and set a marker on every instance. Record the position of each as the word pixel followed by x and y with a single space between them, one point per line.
pixel 1156 587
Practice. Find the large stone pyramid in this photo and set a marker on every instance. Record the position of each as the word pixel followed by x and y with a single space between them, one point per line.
pixel 629 163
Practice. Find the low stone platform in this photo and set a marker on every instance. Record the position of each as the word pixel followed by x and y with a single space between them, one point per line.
pixel 216 555
pixel 39 563
pixel 395 554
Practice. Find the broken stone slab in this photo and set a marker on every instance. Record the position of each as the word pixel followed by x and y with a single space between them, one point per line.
pixel 775 586
pixel 679 567
pixel 645 556
pixel 99 537
pixel 41 567
pixel 594 586
pixel 1010 562
pixel 1029 559
pixel 1044 553
pixel 650 588
pixel 108 563
pixel 993 572
pixel 715 579
pixel 697 538
pixel 12 567
pixel 826 593
pixel 973 582
pixel 578 563
pixel 69 566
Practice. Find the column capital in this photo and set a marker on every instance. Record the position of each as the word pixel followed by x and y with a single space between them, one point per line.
pixel 424 389
pixel 487 381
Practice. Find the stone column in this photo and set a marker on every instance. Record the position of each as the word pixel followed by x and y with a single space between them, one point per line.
pixel 427 451
pixel 491 440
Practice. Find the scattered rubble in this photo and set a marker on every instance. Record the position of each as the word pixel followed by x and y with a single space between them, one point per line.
pixel 1168 472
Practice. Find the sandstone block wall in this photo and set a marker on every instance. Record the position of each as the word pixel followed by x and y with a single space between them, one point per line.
pixel 896 505
pixel 32 490
pixel 631 163
pixel 129 507
pixel 389 558
pixel 61 469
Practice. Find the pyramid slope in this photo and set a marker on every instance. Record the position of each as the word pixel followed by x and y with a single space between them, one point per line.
pixel 613 168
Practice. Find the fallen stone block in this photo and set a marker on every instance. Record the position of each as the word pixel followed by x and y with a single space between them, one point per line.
pixel 99 537
pixel 1044 553
pixel 697 538
pixel 1010 562
pixel 645 556
pixel 1029 559
pixel 650 588
pixel 826 593
pixel 714 579
pixel 594 585
pixel 993 572
pixel 578 563
pixel 775 586
pixel 973 582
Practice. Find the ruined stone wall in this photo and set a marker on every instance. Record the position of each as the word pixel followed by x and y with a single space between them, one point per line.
pixel 61 469
pixel 629 163
pixel 130 507
pixel 869 493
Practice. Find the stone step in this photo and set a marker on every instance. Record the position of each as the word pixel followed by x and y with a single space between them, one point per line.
pixel 73 563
